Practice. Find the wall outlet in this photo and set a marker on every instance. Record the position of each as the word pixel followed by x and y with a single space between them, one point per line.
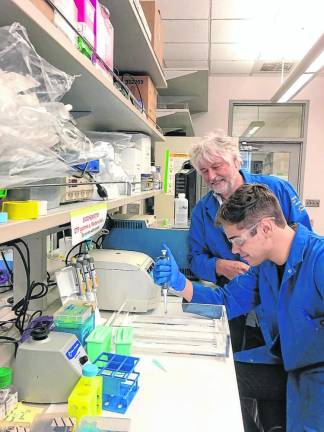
pixel 312 203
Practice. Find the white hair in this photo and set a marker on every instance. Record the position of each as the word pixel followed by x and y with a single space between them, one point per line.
pixel 215 144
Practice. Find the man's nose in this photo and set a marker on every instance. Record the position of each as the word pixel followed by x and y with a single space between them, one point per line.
pixel 235 248
pixel 210 174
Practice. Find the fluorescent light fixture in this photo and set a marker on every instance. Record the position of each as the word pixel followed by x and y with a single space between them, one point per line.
pixel 305 70
pixel 253 127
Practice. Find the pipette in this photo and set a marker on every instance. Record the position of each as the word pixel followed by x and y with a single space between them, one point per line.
pixel 165 286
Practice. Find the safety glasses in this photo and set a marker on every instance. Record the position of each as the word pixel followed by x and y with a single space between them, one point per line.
pixel 240 240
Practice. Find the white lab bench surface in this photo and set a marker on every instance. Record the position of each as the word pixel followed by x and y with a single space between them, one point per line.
pixel 190 395
pixel 181 392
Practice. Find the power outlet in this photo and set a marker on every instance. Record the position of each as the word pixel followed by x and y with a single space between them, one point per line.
pixel 312 203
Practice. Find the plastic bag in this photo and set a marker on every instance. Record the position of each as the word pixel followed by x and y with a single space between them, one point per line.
pixel 17 54
pixel 38 136
pixel 111 170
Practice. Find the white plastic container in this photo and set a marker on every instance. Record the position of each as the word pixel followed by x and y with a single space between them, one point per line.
pixel 181 211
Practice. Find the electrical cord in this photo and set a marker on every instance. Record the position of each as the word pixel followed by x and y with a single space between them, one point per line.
pixel 9 340
pixel 21 308
pixel 74 247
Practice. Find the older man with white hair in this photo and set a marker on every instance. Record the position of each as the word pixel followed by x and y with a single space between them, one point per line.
pixel 217 158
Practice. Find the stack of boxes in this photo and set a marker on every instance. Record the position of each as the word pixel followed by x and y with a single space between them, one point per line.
pixel 154 21
pixel 91 20
pixel 145 93
pixel 142 86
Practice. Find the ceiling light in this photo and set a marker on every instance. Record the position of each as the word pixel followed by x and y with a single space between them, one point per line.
pixel 305 70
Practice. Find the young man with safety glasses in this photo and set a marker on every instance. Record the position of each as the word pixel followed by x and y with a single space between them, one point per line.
pixel 286 284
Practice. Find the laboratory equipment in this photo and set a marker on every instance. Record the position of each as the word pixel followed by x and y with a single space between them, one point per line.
pixel 185 182
pixel 54 365
pixel 98 341
pixel 135 235
pixel 68 281
pixel 38 192
pixel 125 280
pixel 75 189
pixel 8 393
pixel 196 330
pixel 120 381
pixel 165 286
pixel 123 340
pixel 86 397
pixel 75 317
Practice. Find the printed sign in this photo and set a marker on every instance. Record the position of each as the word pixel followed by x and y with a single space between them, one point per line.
pixel 87 221
pixel 173 164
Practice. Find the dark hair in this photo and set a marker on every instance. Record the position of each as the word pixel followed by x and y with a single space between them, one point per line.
pixel 249 204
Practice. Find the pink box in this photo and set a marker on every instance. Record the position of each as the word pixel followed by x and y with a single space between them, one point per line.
pixel 87 15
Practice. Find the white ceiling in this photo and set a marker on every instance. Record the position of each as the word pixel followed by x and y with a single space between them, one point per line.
pixel 238 36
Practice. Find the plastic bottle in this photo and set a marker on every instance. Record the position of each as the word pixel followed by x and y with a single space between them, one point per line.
pixel 181 211
pixel 8 393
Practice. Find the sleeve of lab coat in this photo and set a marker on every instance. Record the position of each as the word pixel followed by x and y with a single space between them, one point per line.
pixel 202 264
pixel 239 296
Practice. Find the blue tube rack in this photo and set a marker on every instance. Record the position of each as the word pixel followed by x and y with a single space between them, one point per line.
pixel 120 381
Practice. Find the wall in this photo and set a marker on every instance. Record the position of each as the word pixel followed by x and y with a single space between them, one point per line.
pixel 224 89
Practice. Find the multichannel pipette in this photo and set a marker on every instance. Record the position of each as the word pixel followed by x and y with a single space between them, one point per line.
pixel 165 286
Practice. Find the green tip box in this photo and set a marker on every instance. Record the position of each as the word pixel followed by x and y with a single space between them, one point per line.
pixel 99 341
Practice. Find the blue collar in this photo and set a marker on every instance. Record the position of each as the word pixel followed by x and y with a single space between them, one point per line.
pixel 297 251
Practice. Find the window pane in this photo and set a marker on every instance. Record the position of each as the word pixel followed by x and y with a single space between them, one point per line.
pixel 267 121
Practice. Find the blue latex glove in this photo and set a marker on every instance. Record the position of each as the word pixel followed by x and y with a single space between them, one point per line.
pixel 167 271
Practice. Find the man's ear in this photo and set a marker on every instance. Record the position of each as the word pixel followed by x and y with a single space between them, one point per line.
pixel 267 227
pixel 236 163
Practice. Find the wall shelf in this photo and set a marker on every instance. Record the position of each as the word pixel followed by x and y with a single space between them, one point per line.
pixel 91 92
pixel 175 119
pixel 133 49
pixel 61 216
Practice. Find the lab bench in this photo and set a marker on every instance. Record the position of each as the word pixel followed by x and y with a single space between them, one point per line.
pixel 182 392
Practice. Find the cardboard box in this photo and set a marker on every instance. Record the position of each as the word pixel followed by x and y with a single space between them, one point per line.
pixel 153 17
pixel 45 8
pixel 143 89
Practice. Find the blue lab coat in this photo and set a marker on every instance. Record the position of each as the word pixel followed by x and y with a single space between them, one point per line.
pixel 293 311
pixel 207 243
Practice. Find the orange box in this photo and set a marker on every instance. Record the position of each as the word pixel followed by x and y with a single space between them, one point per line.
pixel 45 8
pixel 154 21
pixel 143 89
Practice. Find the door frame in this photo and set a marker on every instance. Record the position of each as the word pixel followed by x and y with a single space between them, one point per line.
pixel 293 148
pixel 302 140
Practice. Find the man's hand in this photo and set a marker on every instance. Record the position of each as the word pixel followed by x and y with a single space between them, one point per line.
pixel 230 268
pixel 167 271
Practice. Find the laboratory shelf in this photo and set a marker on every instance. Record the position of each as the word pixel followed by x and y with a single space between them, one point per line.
pixel 133 51
pixel 174 119
pixel 92 93
pixel 62 215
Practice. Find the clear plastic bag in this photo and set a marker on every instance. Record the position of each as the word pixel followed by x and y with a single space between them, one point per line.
pixel 17 54
pixel 111 169
pixel 38 136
